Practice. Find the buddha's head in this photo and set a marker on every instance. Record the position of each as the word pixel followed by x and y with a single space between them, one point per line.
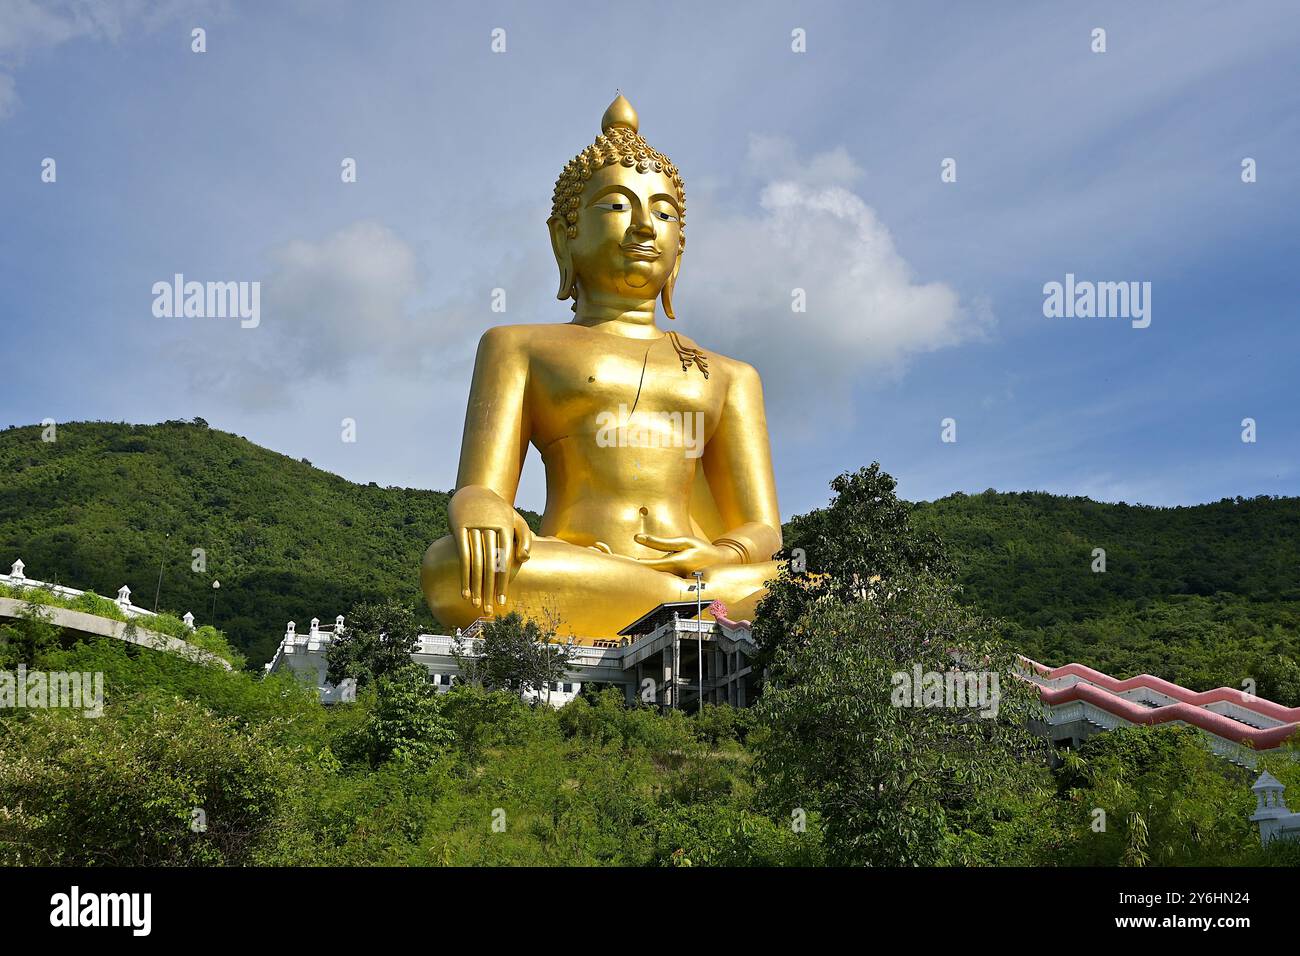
pixel 617 216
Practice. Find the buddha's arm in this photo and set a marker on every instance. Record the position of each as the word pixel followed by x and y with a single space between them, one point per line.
pixel 496 422
pixel 490 535
pixel 738 465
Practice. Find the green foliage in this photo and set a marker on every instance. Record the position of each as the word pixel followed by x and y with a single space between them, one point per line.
pixel 514 654
pixel 407 777
pixel 155 780
pixel 205 638
pixel 378 641
pixel 607 722
pixel 718 723
pixel 1199 642
pixel 484 720
pixel 1030 554
pixel 25 638
pixel 1167 800
pixel 404 724
pixel 1205 596
pixel 892 782
pixel 713 835
pixel 107 503
pixel 865 534
pixel 208 638
pixel 289 710
pixel 826 770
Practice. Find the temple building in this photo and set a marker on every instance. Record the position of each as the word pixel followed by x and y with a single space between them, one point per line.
pixel 675 655
pixel 670 657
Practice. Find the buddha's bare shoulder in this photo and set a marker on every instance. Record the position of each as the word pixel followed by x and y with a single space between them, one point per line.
pixel 732 371
pixel 506 335
pixel 514 343
pixel 525 336
pixel 505 341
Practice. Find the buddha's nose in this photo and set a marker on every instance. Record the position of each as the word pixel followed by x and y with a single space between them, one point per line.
pixel 644 224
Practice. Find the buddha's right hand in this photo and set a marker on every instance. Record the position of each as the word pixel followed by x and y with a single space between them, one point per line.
pixel 492 537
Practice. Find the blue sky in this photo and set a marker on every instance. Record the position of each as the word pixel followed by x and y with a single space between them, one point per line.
pixel 816 170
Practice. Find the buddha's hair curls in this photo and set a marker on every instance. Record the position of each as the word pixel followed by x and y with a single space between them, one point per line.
pixel 616 145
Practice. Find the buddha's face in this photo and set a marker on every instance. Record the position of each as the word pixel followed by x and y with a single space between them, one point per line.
pixel 629 233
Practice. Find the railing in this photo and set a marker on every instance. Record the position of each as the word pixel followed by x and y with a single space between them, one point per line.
pixel 435 645
pixel 17 578
pixel 1235 724
pixel 1071 675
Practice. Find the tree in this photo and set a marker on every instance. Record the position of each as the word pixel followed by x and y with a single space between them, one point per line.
pixel 405 721
pixel 156 781
pixel 1279 679
pixel 514 654
pixel 895 779
pixel 863 538
pixel 1166 799
pixel 25 638
pixel 379 640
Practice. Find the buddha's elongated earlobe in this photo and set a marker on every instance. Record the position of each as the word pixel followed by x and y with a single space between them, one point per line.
pixel 667 294
pixel 563 260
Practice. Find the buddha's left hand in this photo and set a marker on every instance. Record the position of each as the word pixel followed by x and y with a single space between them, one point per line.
pixel 684 555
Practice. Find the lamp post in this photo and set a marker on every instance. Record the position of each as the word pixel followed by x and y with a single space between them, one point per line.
pixel 158 591
pixel 698 587
pixel 216 586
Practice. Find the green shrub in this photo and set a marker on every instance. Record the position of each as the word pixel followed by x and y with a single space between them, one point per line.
pixel 723 835
pixel 155 781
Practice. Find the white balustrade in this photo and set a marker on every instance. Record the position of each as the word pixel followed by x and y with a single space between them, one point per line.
pixel 17 578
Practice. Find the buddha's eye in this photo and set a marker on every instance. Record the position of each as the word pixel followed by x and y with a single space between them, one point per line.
pixel 615 206
pixel 665 216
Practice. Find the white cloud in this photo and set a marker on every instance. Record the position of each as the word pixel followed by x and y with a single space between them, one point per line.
pixel 867 314
pixel 349 304
pixel 342 298
pixel 775 158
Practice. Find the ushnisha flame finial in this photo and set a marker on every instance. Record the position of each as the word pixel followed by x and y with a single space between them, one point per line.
pixel 620 113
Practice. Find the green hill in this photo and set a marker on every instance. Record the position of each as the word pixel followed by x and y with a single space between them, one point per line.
pixel 1029 556
pixel 1204 595
pixel 107 504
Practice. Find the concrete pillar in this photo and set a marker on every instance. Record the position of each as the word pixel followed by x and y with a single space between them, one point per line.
pixel 676 670
pixel 668 673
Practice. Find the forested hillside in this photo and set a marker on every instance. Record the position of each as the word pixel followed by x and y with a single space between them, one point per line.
pixel 1029 556
pixel 1203 595
pixel 414 773
pixel 108 504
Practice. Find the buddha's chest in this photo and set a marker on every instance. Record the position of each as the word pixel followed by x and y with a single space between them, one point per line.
pixel 571 390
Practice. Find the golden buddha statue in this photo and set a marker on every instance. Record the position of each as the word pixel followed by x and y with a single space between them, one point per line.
pixel 656 453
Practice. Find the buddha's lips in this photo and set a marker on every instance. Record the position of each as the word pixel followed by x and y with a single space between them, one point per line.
pixel 639 251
